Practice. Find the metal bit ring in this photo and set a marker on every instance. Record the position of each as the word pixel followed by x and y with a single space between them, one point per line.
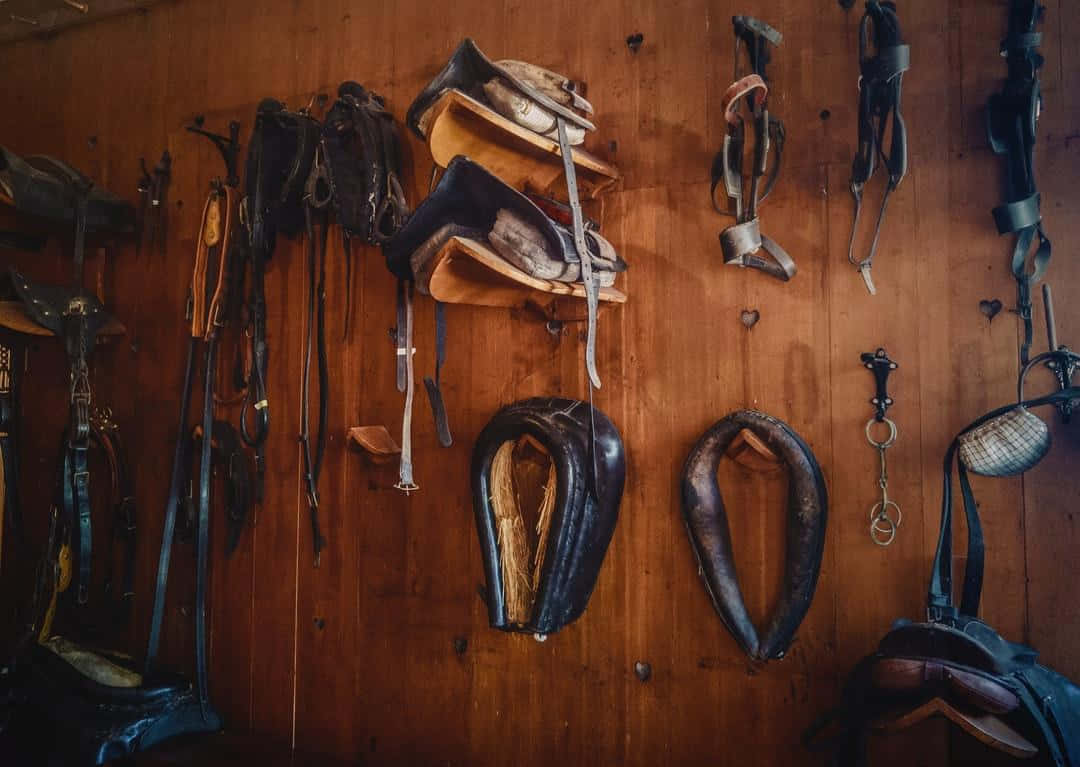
pixel 888 441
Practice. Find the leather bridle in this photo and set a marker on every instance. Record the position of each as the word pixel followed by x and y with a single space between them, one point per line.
pixel 1012 117
pixel 742 242
pixel 881 76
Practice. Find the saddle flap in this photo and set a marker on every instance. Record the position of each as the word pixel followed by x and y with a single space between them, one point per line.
pixel 74 316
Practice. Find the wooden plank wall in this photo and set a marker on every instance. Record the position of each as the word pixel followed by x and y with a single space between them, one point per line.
pixel 357 658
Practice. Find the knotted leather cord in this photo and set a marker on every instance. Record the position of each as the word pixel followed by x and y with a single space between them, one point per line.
pixel 880 80
pixel 742 241
pixel 1012 117
pixel 317 197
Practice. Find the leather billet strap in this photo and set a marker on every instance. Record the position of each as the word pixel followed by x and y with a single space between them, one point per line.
pixel 1011 122
pixel 939 599
pixel 880 80
pixel 706 520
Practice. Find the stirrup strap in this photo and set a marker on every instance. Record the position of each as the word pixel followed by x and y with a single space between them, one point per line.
pixel 434 391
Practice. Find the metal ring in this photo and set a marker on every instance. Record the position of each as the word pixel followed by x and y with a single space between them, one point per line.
pixel 877 516
pixel 888 440
pixel 882 536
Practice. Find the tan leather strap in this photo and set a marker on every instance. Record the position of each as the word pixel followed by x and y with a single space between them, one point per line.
pixel 737 90
pixel 215 232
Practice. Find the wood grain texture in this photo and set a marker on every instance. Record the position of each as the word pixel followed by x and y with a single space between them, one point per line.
pixel 382 655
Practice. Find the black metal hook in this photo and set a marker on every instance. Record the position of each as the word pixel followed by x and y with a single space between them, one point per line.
pixel 880 365
pixel 229 147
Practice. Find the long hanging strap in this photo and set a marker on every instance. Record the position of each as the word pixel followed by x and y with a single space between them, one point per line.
pixel 172 503
pixel 939 596
pixel 405 469
pixel 202 544
pixel 316 320
pixel 582 248
pixel 433 386
pixel 76 503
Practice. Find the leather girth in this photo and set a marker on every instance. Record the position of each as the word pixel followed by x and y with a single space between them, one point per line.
pixel 710 537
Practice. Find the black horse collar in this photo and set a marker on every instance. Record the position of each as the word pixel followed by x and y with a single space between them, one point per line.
pixel 589 468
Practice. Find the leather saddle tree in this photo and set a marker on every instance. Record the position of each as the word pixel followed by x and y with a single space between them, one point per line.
pixel 576 519
pixel 956 664
pixel 707 525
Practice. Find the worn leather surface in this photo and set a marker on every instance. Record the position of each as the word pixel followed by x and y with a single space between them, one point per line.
pixel 586 505
pixel 74 316
pixel 364 159
pixel 93 723
pixel 43 187
pixel 467 71
pixel 469 196
pixel 280 154
pixel 707 525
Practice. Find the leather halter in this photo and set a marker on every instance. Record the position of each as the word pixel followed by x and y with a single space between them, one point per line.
pixel 743 241
pixel 707 525
pixel 587 453
pixel 1012 117
pixel 880 79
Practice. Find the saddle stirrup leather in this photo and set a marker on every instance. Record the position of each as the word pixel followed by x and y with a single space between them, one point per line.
pixel 742 241
pixel 710 537
pixel 880 79
pixel 1012 118
pixel 317 197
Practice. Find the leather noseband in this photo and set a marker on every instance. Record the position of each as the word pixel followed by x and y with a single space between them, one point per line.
pixel 707 525
pixel 587 453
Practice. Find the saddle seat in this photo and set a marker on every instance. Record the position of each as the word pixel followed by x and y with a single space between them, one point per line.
pixel 101 708
pixel 47 188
